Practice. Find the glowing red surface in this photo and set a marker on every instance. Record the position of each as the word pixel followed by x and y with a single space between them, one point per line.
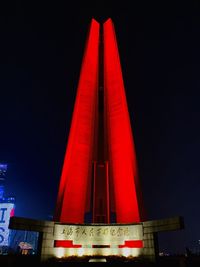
pixel 120 189
pixel 121 150
pixel 71 201
pixel 101 208
pixel 132 244
pixel 65 244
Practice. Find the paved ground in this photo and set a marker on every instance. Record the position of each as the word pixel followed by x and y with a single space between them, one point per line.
pixel 28 261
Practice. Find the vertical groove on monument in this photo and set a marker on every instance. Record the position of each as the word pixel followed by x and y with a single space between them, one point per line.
pixel 101 202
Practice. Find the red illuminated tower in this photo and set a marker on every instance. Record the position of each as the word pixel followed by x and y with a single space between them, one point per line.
pixel 99 204
pixel 99 175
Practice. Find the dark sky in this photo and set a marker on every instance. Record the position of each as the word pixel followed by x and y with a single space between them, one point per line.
pixel 41 49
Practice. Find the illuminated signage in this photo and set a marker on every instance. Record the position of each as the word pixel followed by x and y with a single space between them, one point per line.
pixel 98 234
pixel 97 239
pixel 6 211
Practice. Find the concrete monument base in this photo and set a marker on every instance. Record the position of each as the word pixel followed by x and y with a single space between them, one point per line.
pixel 57 240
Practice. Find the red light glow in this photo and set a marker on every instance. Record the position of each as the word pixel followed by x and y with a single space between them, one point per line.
pixel 120 141
pixel 118 181
pixel 71 201
pixel 132 244
pixel 65 244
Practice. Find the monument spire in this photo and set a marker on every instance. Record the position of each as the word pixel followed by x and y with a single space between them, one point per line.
pixel 99 181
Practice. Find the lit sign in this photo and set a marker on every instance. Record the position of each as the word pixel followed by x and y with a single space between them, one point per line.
pixel 6 211
pixel 98 234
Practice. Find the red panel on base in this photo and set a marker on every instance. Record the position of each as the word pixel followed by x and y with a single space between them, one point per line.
pixel 65 244
pixel 132 244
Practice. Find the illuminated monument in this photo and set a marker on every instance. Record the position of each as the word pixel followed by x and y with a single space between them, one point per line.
pixel 99 204
pixel 100 170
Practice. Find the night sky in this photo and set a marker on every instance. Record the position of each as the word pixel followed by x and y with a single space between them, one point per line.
pixel 41 49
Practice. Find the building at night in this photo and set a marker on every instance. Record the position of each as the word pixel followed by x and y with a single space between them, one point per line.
pixel 99 209
pixel 7 206
pixel 3 170
pixel 12 240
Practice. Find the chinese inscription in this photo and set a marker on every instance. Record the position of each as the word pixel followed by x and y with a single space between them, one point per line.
pixel 94 234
